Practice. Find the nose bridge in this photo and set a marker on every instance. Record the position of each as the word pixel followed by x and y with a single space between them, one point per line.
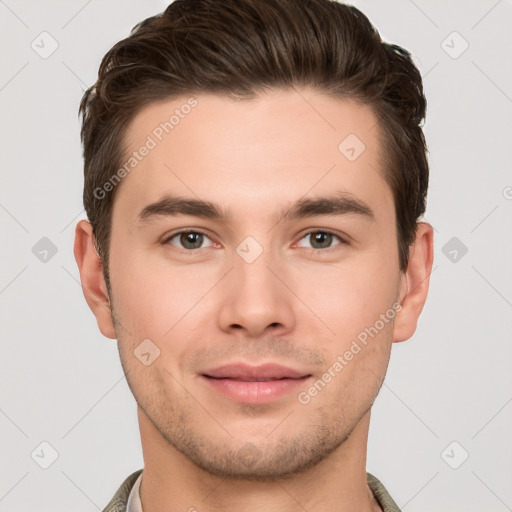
pixel 252 263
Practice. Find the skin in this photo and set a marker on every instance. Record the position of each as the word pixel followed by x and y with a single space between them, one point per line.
pixel 292 305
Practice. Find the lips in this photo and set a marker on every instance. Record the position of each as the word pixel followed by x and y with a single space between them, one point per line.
pixel 254 384
pixel 248 373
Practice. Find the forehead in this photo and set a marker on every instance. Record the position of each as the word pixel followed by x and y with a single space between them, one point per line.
pixel 269 150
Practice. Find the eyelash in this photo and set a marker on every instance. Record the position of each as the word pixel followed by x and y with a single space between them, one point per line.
pixel 313 231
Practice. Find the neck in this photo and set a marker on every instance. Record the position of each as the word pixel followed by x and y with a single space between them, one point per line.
pixel 172 482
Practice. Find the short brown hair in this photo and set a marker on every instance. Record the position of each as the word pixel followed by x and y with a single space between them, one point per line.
pixel 239 48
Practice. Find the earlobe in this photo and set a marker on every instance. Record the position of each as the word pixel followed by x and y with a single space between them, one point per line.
pixel 92 279
pixel 415 282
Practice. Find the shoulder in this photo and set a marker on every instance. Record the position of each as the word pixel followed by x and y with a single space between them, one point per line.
pixel 120 499
pixel 381 494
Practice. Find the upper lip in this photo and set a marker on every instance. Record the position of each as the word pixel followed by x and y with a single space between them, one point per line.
pixel 245 372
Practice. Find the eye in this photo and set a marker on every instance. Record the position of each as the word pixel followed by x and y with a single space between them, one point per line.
pixel 322 240
pixel 190 240
pixel 187 240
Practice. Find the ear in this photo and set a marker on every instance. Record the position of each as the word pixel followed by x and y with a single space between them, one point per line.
pixel 92 279
pixel 414 282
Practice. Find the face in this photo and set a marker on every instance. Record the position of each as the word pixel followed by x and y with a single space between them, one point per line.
pixel 267 306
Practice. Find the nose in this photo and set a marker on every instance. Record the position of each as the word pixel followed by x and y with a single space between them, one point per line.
pixel 256 299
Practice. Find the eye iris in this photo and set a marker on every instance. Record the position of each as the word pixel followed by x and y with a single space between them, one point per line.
pixel 191 240
pixel 324 239
pixel 195 239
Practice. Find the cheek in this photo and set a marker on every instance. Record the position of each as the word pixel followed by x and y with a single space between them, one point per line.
pixel 351 296
pixel 167 305
pixel 148 293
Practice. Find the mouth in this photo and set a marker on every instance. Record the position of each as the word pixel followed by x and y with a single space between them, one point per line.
pixel 254 384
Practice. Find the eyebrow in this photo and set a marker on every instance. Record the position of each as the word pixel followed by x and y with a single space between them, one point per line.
pixel 339 204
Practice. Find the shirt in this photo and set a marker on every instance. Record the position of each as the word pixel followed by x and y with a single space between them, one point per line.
pixel 127 498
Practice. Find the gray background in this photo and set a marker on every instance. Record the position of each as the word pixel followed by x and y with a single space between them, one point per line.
pixel 62 382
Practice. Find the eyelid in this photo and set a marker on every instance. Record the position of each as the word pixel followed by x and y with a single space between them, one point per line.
pixel 167 236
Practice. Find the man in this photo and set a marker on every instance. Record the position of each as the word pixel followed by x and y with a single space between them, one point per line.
pixel 255 172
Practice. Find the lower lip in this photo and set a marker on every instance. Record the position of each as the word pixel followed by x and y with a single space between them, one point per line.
pixel 255 392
